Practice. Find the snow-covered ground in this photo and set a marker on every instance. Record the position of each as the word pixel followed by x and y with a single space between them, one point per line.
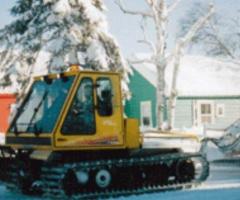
pixel 217 194
pixel 222 184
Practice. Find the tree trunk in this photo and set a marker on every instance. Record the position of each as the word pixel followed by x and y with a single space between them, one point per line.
pixel 173 95
pixel 160 59
pixel 160 95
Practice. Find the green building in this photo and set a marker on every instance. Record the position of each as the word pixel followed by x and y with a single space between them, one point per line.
pixel 208 93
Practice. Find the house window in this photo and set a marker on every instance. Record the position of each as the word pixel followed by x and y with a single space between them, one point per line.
pixel 205 112
pixel 220 110
pixel 146 114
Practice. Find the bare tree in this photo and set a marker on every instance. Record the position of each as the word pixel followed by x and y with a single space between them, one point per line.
pixel 159 12
pixel 221 37
pixel 178 53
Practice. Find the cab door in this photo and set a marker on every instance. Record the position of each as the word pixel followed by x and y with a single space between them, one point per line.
pixel 109 113
pixel 93 117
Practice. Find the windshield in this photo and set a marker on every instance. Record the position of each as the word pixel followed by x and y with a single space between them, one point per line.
pixel 39 112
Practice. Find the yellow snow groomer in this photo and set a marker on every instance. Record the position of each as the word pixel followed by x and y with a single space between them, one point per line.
pixel 69 138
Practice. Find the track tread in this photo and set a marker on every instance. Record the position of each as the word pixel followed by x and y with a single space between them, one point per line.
pixel 58 193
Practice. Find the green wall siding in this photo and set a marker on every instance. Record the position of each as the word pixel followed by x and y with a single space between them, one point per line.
pixel 141 90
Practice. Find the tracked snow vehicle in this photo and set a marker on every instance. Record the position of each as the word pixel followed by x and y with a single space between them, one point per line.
pixel 69 138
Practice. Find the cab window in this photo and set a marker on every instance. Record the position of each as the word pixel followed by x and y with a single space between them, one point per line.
pixel 104 97
pixel 80 118
pixel 40 110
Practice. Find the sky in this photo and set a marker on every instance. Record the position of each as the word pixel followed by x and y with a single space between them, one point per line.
pixel 126 29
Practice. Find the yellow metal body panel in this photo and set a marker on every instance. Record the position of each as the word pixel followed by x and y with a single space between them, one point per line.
pixel 109 129
pixel 133 139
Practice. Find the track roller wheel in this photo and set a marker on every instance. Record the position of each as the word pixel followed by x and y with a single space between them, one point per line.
pixel 103 178
pixel 185 171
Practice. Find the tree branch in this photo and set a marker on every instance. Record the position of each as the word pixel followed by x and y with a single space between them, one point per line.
pixel 221 43
pixel 149 43
pixel 131 12
pixel 173 6
pixel 145 39
pixel 139 61
pixel 197 25
pixel 151 3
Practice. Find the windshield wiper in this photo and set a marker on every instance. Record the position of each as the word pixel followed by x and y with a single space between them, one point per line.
pixel 37 130
pixel 15 129
pixel 36 109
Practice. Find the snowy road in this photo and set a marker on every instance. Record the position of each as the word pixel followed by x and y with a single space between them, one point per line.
pixel 222 184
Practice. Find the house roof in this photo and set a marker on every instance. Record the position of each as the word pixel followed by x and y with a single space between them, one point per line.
pixel 198 76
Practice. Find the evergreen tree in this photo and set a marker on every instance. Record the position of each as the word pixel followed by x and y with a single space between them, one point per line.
pixel 49 35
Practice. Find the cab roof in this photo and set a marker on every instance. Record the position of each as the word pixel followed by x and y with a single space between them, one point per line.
pixel 73 71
